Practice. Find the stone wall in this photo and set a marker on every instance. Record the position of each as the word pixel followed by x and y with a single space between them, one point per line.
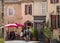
pixel 56 34
pixel 0 17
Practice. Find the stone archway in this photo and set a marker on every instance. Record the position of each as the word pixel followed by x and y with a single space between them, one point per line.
pixel 28 24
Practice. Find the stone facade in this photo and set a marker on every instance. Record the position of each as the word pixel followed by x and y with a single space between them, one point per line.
pixel 1 11
pixel 37 10
pixel 19 13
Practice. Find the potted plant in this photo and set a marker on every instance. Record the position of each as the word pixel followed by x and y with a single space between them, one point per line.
pixel 47 32
pixel 33 34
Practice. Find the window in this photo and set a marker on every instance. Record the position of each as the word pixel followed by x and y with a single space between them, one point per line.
pixel 54 1
pixel 44 8
pixel 11 11
pixel 58 9
pixel 28 9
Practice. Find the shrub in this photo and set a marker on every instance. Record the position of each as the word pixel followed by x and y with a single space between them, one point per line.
pixel 47 31
pixel 33 31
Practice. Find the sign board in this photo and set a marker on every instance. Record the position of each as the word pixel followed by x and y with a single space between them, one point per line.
pixel 38 20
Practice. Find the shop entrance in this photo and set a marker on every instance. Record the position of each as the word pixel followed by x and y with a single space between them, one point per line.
pixel 39 22
pixel 39 27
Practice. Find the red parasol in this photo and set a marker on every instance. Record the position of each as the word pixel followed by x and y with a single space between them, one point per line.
pixel 13 25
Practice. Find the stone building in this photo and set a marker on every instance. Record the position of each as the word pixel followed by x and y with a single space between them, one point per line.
pixel 36 12
pixel 1 16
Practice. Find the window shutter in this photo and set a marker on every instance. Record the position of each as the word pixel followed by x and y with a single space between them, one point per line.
pixel 31 9
pixel 58 21
pixel 51 1
pixel 57 8
pixel 53 21
pixel 57 1
pixel 25 9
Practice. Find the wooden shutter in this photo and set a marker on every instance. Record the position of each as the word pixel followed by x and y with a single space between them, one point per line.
pixel 51 1
pixel 57 1
pixel 25 9
pixel 31 9
pixel 53 21
pixel 58 21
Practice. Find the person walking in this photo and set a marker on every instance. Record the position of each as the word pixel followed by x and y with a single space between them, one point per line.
pixel 12 35
pixel 16 35
pixel 22 35
pixel 27 34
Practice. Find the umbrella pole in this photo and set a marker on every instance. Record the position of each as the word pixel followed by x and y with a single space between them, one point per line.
pixel 8 33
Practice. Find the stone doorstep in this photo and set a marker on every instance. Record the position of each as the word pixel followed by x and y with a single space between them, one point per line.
pixel 21 41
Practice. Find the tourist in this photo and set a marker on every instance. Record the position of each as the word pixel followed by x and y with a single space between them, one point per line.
pixel 16 34
pixel 12 35
pixel 27 34
pixel 21 35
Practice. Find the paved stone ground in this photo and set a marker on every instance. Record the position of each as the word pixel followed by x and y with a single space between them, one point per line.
pixel 16 41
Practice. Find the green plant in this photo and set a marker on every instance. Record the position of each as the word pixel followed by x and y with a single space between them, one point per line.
pixel 33 31
pixel 1 40
pixel 47 31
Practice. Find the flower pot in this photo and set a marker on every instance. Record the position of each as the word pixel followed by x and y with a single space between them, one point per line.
pixel 46 40
pixel 34 38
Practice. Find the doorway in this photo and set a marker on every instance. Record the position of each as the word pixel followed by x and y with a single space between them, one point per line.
pixel 39 27
pixel 39 22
